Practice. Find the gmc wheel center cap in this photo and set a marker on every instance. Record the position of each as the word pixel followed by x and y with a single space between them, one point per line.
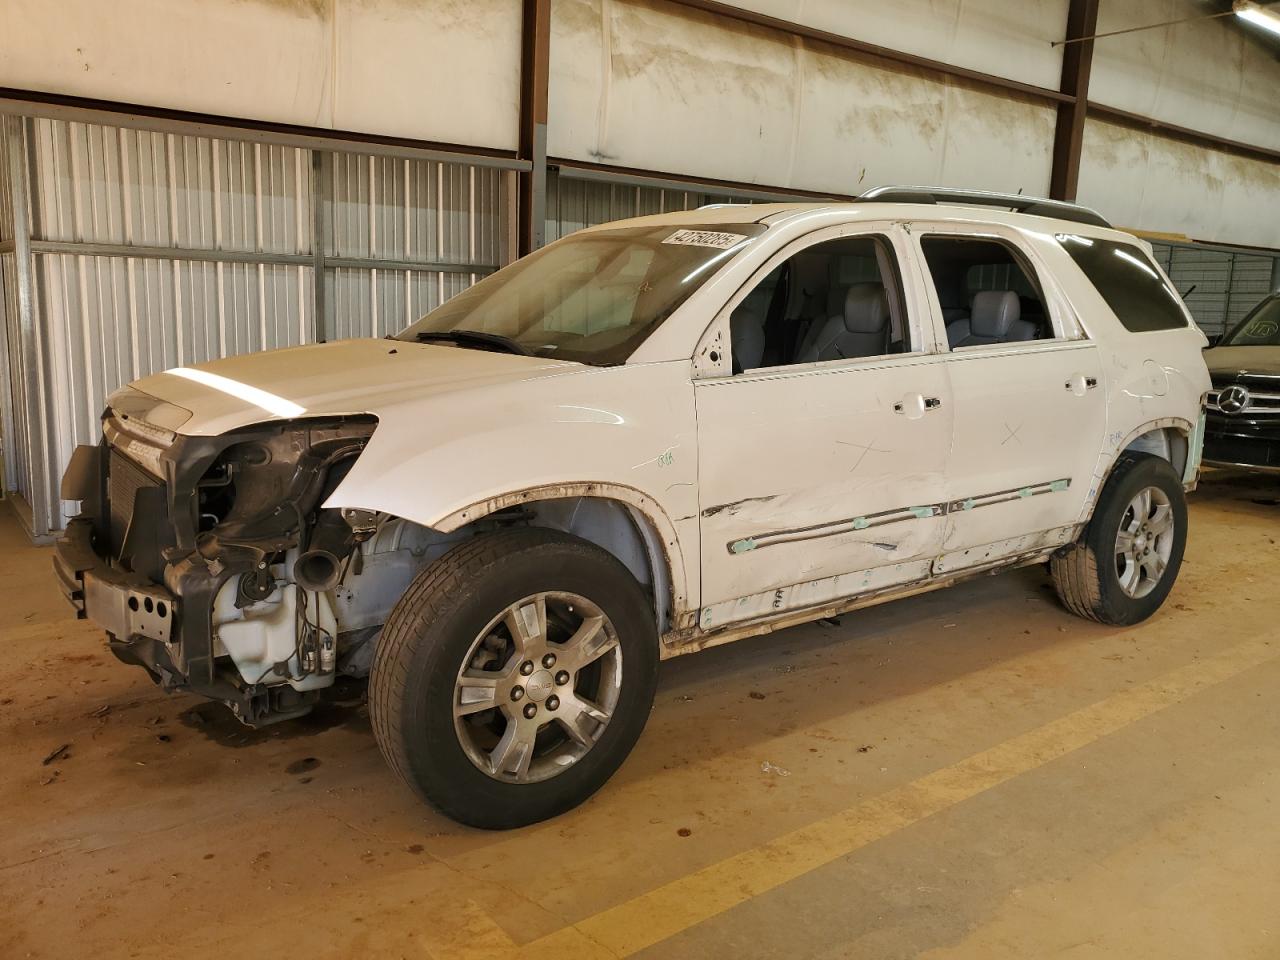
pixel 539 685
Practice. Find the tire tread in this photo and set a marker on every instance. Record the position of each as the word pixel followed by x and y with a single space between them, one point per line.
pixel 459 578
pixel 446 577
pixel 1077 576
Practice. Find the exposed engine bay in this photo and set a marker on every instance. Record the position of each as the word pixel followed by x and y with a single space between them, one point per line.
pixel 215 564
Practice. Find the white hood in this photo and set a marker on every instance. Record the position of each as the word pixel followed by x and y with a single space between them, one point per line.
pixel 344 377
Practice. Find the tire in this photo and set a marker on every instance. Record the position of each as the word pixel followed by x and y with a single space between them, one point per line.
pixel 1095 577
pixel 460 627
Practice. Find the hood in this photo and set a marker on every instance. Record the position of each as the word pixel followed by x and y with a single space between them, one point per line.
pixel 330 379
pixel 1231 362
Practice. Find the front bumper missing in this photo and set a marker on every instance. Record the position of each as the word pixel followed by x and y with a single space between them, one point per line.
pixel 167 634
pixel 137 615
pixel 124 604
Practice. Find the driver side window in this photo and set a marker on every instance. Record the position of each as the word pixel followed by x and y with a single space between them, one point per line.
pixel 836 300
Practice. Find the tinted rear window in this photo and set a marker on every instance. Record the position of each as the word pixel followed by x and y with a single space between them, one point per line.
pixel 1132 285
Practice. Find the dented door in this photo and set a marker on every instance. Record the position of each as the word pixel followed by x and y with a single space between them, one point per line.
pixel 819 482
pixel 1030 419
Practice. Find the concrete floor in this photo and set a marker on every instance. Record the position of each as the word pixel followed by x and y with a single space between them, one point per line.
pixel 973 773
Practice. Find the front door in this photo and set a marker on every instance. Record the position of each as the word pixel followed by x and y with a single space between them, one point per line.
pixel 822 475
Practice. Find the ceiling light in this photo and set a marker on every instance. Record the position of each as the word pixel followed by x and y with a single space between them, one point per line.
pixel 1266 17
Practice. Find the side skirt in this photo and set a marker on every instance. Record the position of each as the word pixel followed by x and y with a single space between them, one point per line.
pixel 791 606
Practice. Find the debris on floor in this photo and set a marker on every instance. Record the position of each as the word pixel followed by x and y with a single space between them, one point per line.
pixel 58 754
pixel 767 767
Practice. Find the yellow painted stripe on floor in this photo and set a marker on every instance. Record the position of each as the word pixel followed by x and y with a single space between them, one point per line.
pixel 676 906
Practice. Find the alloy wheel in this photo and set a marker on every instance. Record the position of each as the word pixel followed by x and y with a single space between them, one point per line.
pixel 1144 542
pixel 537 687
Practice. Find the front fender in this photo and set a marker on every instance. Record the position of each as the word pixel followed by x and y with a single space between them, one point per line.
pixel 627 433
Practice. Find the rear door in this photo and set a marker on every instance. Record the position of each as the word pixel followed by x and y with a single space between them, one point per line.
pixel 1030 404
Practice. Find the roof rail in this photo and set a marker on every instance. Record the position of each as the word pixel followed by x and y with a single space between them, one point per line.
pixel 1035 206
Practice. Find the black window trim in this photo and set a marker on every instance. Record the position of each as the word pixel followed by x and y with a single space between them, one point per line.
pixel 1025 263
pixel 883 236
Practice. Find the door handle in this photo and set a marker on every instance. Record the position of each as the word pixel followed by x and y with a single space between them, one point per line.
pixel 1078 383
pixel 914 405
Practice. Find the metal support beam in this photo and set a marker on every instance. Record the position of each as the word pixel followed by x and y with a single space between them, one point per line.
pixel 32 103
pixel 535 62
pixel 90 248
pixel 1173 131
pixel 321 164
pixel 1226 294
pixel 611 173
pixel 625 176
pixel 27 369
pixel 937 68
pixel 1077 62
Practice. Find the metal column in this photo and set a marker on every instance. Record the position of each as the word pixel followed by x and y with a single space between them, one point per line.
pixel 535 55
pixel 1068 137
pixel 27 369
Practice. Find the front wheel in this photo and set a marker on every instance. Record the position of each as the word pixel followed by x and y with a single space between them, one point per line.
pixel 1123 567
pixel 514 677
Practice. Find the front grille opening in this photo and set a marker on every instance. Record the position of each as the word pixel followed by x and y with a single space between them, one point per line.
pixel 124 479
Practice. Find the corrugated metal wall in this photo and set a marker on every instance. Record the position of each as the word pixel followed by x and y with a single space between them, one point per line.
pixel 395 209
pixel 108 318
pixel 1227 284
pixel 573 204
pixel 13 393
pixel 153 250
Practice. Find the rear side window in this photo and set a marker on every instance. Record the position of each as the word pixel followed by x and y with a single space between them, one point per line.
pixel 987 291
pixel 1132 285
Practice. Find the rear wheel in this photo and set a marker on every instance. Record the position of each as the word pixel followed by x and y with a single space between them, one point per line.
pixel 1123 567
pixel 514 677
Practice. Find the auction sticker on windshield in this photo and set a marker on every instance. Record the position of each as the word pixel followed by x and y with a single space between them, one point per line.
pixel 705 238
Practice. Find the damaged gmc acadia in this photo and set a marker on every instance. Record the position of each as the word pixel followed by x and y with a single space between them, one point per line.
pixel 650 437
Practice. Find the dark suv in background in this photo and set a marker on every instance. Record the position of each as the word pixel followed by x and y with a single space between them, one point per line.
pixel 1242 426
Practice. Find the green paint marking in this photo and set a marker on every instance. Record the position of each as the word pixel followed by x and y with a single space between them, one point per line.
pixel 1024 492
pixel 922 513
pixel 1197 449
pixel 968 504
pixel 1059 485
pixel 860 523
pixel 742 546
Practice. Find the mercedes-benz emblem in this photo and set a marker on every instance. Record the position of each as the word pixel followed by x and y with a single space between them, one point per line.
pixel 1233 399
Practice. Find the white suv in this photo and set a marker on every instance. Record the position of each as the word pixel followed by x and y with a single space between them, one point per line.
pixel 647 438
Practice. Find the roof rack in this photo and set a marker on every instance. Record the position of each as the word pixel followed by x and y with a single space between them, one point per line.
pixel 1035 206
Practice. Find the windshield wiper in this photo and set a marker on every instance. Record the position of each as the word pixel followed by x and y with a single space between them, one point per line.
pixel 474 338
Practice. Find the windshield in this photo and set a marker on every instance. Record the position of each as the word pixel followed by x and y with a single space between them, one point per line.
pixel 591 297
pixel 1261 328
